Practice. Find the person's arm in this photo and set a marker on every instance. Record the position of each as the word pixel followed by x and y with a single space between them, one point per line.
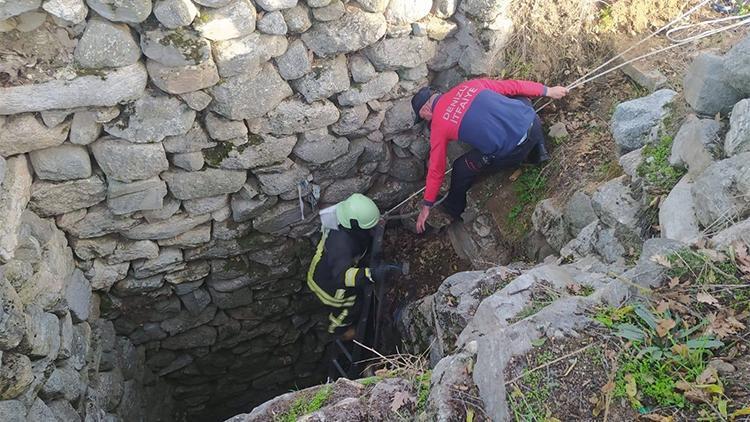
pixel 344 274
pixel 515 88
pixel 435 176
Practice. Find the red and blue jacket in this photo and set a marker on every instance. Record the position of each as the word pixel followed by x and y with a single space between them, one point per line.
pixel 479 113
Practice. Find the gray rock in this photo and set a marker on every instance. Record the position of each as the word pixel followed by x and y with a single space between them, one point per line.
pixel 637 122
pixel 295 62
pixel 330 12
pixel 63 382
pixel 135 286
pixel 297 19
pixel 184 79
pixel 201 184
pixel 737 66
pixel 352 118
pixel 706 88
pixel 273 5
pixel 43 336
pixel 15 375
pixel 84 128
pixel 73 11
pixel 103 276
pixel 372 90
pixel 197 100
pixel 113 86
pixel 190 161
pixel 12 411
pixel 130 408
pixel 64 411
pixel 110 387
pixel 81 345
pixel 170 206
pixel 245 209
pixel 407 169
pixel 88 249
pixel 651 79
pixel 228 230
pixel 578 212
pixel 132 11
pixel 205 205
pixel 630 163
pixel 485 10
pixel 15 192
pixel 280 179
pixel 105 44
pixel 738 232
pixel 354 31
pixel 278 218
pixel 738 137
pixel 128 162
pixel 40 412
pixel 617 207
pixel 318 146
pixel 677 214
pixel 361 69
pixel 78 296
pixel 194 272
pixel 175 226
pixel 52 118
pixel 262 150
pixel 400 53
pixel 48 199
pixel 400 12
pixel 446 56
pixel 195 140
pixel 190 239
pixel 341 189
pixel 695 144
pixel 15 8
pixel 222 129
pixel 24 133
pixel 444 8
pixel 294 116
pixel 213 3
pixel 175 13
pixel 376 6
pixel 66 336
pixel 273 24
pixel 267 90
pixel 128 251
pixel 417 73
pixel 328 77
pixel 185 321
pixel 125 198
pixel 64 162
pixel 231 21
pixel 548 220
pixel 179 47
pixel 720 192
pixel 318 3
pixel 248 54
pixel 152 118
pixel 12 320
pixel 197 337
pixel 398 118
pixel 169 259
pixel 94 222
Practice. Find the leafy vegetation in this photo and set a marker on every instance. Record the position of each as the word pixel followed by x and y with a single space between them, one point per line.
pixel 531 404
pixel 659 175
pixel 529 189
pixel 306 404
pixel 423 389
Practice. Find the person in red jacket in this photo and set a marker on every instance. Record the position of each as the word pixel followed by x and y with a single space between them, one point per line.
pixel 495 117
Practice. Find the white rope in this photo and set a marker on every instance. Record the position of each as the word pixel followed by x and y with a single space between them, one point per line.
pixel 588 77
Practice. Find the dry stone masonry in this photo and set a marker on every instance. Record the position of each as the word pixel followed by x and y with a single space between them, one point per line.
pixel 169 141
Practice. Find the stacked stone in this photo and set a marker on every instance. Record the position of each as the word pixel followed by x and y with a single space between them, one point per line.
pixel 172 148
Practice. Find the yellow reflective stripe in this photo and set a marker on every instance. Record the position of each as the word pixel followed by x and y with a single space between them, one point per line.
pixel 337 322
pixel 339 301
pixel 350 279
pixel 368 274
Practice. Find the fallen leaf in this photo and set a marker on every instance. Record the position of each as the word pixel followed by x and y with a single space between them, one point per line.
pixel 661 260
pixel 664 326
pixel 673 282
pixel 697 396
pixel 740 412
pixel 662 307
pixel 400 399
pixel 631 389
pixel 574 288
pixel 708 376
pixel 608 387
pixel 705 297
pixel 516 174
pixel 680 349
pixel 658 418
pixel 683 385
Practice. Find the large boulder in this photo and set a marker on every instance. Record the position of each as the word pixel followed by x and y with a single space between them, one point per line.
pixel 548 220
pixel 721 191
pixel 246 55
pixel 105 44
pixel 737 66
pixel 618 207
pixel 355 30
pixel 231 21
pixel 128 162
pixel 696 144
pixel 400 53
pixel 706 87
pixel 578 212
pixel 152 118
pixel 738 137
pixel 107 88
pixel 65 162
pixel 48 199
pixel 24 133
pixel 677 214
pixel 637 122
pixel 267 89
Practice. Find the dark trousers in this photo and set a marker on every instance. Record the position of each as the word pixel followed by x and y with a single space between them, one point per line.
pixel 469 166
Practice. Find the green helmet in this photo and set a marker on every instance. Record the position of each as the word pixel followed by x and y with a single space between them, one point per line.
pixel 360 208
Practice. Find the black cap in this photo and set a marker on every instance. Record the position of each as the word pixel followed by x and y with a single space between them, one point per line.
pixel 418 101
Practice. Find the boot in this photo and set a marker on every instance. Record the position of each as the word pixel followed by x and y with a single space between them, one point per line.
pixel 538 154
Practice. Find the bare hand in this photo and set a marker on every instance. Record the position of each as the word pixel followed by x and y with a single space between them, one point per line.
pixel 557 92
pixel 422 219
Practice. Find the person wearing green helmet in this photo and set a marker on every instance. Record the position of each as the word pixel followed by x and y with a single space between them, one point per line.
pixel 337 275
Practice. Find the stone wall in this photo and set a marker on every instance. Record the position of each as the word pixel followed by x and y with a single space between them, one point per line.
pixel 170 141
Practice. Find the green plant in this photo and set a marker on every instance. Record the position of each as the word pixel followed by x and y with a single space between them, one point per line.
pixel 529 189
pixel 659 175
pixel 423 389
pixel 370 380
pixel 530 404
pixel 306 404
pixel 606 20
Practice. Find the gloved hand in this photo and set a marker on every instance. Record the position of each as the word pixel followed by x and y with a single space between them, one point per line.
pixel 381 270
